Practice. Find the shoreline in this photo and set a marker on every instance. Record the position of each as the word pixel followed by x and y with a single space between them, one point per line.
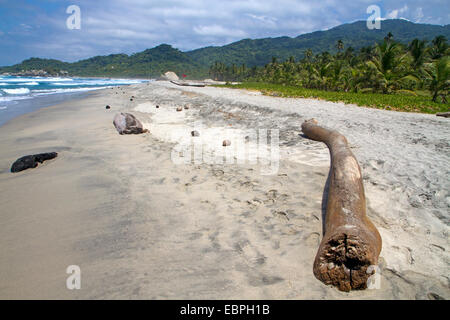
pixel 42 102
pixel 15 105
pixel 142 227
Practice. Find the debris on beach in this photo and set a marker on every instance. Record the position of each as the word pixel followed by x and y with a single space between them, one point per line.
pixel 31 161
pixel 186 106
pixel 188 83
pixel 351 243
pixel 195 133
pixel 443 114
pixel 226 143
pixel 126 123
pixel 179 109
pixel 157 107
pixel 108 107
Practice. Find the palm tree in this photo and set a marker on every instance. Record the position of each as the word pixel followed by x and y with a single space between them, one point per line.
pixel 439 76
pixel 339 46
pixel 439 47
pixel 388 66
pixel 389 37
pixel 308 54
pixel 348 54
pixel 336 70
pixel 367 53
pixel 418 51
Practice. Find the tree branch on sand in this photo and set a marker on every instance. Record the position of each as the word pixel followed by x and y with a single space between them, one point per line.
pixel 351 243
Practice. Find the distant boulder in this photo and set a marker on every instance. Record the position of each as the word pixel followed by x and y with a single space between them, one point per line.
pixel 170 75
pixel 31 161
pixel 126 123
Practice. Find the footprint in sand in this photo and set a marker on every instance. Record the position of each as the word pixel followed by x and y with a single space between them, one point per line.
pixel 281 215
pixel 274 195
pixel 251 255
pixel 312 240
pixel 221 187
pixel 254 203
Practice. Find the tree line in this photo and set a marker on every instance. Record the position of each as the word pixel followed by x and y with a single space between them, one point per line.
pixel 386 67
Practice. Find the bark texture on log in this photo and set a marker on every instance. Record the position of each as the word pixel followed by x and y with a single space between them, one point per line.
pixel 351 243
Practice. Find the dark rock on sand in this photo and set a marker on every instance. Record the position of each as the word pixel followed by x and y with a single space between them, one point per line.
pixel 126 123
pixel 226 143
pixel 195 133
pixel 179 109
pixel 108 107
pixel 31 161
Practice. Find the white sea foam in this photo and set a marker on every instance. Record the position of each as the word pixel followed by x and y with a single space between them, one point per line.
pixel 97 82
pixel 4 84
pixel 54 91
pixel 40 79
pixel 32 83
pixel 2 108
pixel 14 98
pixel 17 91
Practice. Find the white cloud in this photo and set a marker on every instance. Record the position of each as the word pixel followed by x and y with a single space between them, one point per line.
pixel 394 14
pixel 217 30
pixel 126 26
pixel 419 14
pixel 265 19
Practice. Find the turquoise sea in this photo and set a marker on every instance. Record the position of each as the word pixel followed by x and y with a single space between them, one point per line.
pixel 19 95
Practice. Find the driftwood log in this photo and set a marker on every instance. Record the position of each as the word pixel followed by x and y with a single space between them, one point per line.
pixel 443 114
pixel 351 243
pixel 188 84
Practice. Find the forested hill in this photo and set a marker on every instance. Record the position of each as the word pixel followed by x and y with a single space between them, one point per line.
pixel 195 63
pixel 356 35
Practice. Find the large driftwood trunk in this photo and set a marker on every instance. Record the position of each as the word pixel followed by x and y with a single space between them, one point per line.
pixel 188 84
pixel 351 243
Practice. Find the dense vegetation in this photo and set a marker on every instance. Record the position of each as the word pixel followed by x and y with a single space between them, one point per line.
pixel 411 77
pixel 195 64
pixel 398 102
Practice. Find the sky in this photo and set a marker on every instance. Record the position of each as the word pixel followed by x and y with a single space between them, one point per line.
pixel 39 28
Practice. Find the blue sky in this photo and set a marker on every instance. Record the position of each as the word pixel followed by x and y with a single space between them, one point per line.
pixel 38 28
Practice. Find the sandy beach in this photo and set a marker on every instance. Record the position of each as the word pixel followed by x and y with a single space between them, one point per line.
pixel 145 221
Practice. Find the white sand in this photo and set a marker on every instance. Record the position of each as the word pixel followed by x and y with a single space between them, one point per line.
pixel 141 226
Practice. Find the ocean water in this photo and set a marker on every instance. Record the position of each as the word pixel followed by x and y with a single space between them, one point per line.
pixel 20 95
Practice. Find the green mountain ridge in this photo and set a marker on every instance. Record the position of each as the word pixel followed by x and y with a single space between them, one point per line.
pixel 258 52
